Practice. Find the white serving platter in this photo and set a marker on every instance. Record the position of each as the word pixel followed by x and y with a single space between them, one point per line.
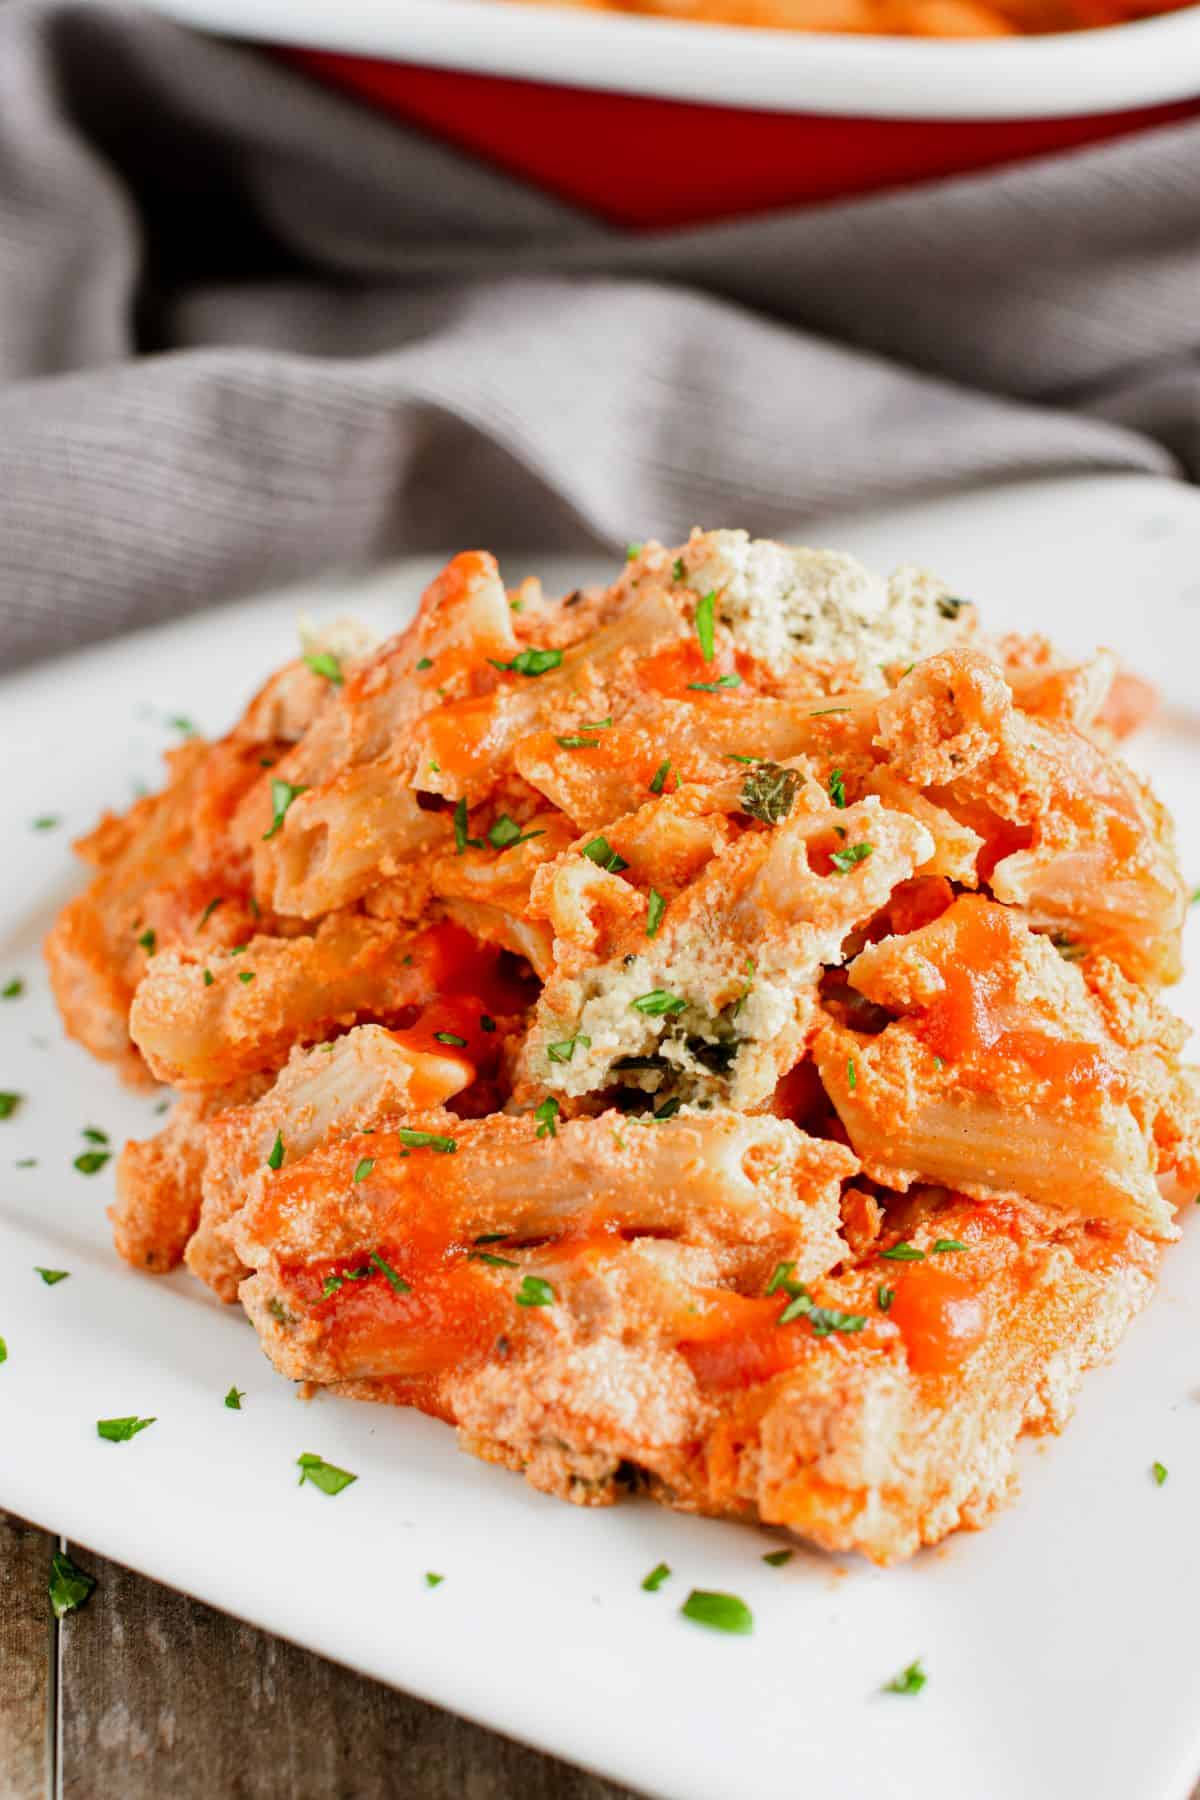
pixel 1058 1644
pixel 1063 75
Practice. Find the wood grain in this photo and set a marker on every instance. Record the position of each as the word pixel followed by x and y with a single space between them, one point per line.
pixel 160 1696
pixel 26 1663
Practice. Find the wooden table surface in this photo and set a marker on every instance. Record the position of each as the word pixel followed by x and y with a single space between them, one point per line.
pixel 143 1694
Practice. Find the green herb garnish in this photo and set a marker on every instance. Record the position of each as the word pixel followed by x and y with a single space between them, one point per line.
pixel 324 662
pixel 234 1398
pixel 450 1037
pixel 903 1253
pixel 573 742
pixel 208 977
pixel 547 1116
pixel 909 1681
pixel 533 1291
pixel 461 840
pixel 9 1104
pixel 844 860
pixel 769 792
pixel 1159 1472
pixel 275 1159
pixel 677 569
pixel 851 1074
pixel 660 777
pixel 705 624
pixel 653 1581
pixel 119 1431
pixel 210 909
pixel 52 1277
pixel 425 662
pixel 246 976
pixel 490 1257
pixel 282 795
pixel 654 914
pixel 90 1162
pixel 12 990
pixel 777 1558
pixel 432 1580
pixel 563 1051
pixel 47 822
pixel 530 662
pixel 601 852
pixel 837 788
pixel 427 1140
pixel 396 1282
pixel 658 1003
pixel 363 1167
pixel 714 687
pixel 884 1297
pixel 942 1245
pixel 326 1476
pixel 505 833
pixel 69 1586
pixel 149 941
pixel 720 1612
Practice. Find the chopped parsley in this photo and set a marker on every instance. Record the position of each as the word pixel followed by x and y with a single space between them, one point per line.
pixel 69 1585
pixel 234 1398
pixel 826 712
pixel 598 724
pixel 149 941
pixel 533 1291
pixel 530 662
pixel 324 662
pixel 777 1558
pixel 654 913
pixel 208 977
pixel 844 860
pixel 9 1104
pixel 505 833
pixel 801 1305
pixel 658 1003
pixel 12 990
pixel 52 1277
pixel 425 662
pixel 396 1282
pixel 47 822
pixel 903 1253
pixel 1159 1472
pixel 720 1612
pixel 705 624
pixel 942 1245
pixel 851 1074
pixel 245 976
pixel 677 569
pixel 210 909
pixel 426 1140
pixel 547 1117
pixel 275 1159
pixel 94 1135
pixel 632 552
pixel 714 687
pixel 326 1476
pixel 575 742
pixel 563 1051
pixel 490 1257
pixel 450 1037
pixel 461 840
pixel 660 777
pixel 884 1297
pixel 837 787
pixel 3 1351
pixel 769 792
pixel 90 1162
pixel 432 1580
pixel 653 1581
pixel 909 1681
pixel 282 795
pixel 486 1022
pixel 119 1431
pixel 601 852
pixel 363 1167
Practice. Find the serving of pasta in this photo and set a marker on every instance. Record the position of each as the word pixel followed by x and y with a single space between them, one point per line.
pixel 700 1036
pixel 899 18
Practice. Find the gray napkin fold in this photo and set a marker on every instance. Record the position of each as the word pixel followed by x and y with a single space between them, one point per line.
pixel 248 330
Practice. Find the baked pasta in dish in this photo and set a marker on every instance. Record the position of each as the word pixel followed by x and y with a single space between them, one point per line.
pixel 702 1035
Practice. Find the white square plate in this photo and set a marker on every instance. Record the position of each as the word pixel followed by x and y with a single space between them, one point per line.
pixel 1058 1644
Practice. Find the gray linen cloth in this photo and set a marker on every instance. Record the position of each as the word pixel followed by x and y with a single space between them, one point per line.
pixel 249 330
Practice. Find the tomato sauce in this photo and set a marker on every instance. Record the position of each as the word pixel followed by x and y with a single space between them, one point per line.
pixel 941 1315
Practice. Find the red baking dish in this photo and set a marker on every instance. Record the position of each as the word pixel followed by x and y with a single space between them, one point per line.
pixel 653 123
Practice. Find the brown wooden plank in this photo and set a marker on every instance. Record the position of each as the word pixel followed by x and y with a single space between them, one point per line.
pixel 160 1695
pixel 26 1662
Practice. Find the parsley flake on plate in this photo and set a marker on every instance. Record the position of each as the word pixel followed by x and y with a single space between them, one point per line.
pixel 1159 1472
pixel 777 1558
pixel 12 990
pixel 9 1104
pixel 234 1398
pixel 90 1162
pixel 69 1585
pixel 909 1681
pixel 3 1351
pixel 432 1580
pixel 52 1277
pixel 119 1431
pixel 719 1612
pixel 324 1475
pixel 46 822
pixel 653 1581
